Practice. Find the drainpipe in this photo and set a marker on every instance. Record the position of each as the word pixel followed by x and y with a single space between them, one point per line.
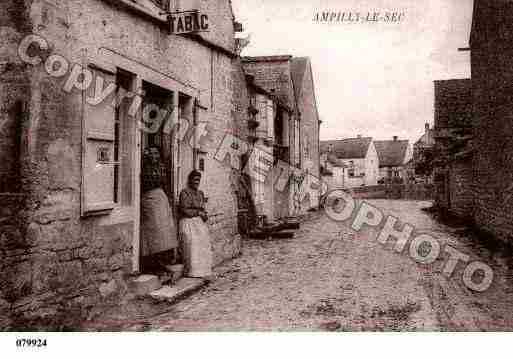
pixel 195 134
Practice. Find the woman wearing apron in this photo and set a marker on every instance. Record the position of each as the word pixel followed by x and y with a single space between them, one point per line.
pixel 194 231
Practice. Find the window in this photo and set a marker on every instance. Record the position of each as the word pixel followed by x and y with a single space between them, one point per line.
pixel 297 143
pixel 124 143
pixel 201 164
pixel 101 143
pixel 108 146
pixel 351 169
pixel 265 116
pixel 270 118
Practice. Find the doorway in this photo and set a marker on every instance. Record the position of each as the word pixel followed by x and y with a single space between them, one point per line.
pixel 159 235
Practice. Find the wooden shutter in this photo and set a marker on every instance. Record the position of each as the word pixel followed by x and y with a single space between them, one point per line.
pixel 98 150
pixel 270 119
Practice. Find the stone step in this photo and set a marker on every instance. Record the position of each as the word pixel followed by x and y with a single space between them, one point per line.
pixel 176 272
pixel 182 288
pixel 144 284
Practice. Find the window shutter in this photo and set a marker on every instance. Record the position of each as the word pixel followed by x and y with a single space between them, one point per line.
pixel 98 149
pixel 270 119
pixel 262 115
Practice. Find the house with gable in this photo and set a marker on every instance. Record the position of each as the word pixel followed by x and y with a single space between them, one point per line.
pixel 358 155
pixel 290 81
pixel 333 171
pixel 394 156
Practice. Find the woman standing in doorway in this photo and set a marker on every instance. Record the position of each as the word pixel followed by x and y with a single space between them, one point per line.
pixel 194 231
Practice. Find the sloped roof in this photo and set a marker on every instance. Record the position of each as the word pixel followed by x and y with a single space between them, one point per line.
pixel 348 148
pixel 427 138
pixel 391 153
pixel 336 162
pixel 260 67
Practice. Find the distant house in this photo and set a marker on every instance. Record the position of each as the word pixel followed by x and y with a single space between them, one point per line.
pixel 360 158
pixel 333 171
pixel 393 156
pixel 423 155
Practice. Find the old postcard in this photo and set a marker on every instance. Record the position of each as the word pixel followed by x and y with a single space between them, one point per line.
pixel 255 166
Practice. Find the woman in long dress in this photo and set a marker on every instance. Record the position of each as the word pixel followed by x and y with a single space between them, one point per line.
pixel 194 231
pixel 158 244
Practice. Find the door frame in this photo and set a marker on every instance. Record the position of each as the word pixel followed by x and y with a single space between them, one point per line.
pixel 164 80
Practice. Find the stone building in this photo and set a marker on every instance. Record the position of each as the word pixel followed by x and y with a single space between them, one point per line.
pixel 77 78
pixel 394 156
pixel 453 148
pixel 291 81
pixel 492 78
pixel 360 158
pixel 264 123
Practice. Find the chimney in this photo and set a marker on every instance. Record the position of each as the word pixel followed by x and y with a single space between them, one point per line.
pixel 427 127
pixel 395 138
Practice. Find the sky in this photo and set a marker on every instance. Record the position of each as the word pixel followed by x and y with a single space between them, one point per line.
pixel 371 79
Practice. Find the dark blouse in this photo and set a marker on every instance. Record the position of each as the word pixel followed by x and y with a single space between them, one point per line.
pixel 191 202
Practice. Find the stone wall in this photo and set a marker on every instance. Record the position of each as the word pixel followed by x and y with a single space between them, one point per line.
pixel 492 76
pixel 14 256
pixel 417 192
pixel 461 188
pixel 307 106
pixel 453 103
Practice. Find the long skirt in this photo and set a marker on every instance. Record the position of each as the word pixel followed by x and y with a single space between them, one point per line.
pixel 197 246
pixel 158 232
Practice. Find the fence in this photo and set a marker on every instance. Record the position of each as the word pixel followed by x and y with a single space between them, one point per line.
pixel 419 192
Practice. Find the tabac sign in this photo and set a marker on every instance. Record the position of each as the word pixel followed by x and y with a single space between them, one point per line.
pixel 185 22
